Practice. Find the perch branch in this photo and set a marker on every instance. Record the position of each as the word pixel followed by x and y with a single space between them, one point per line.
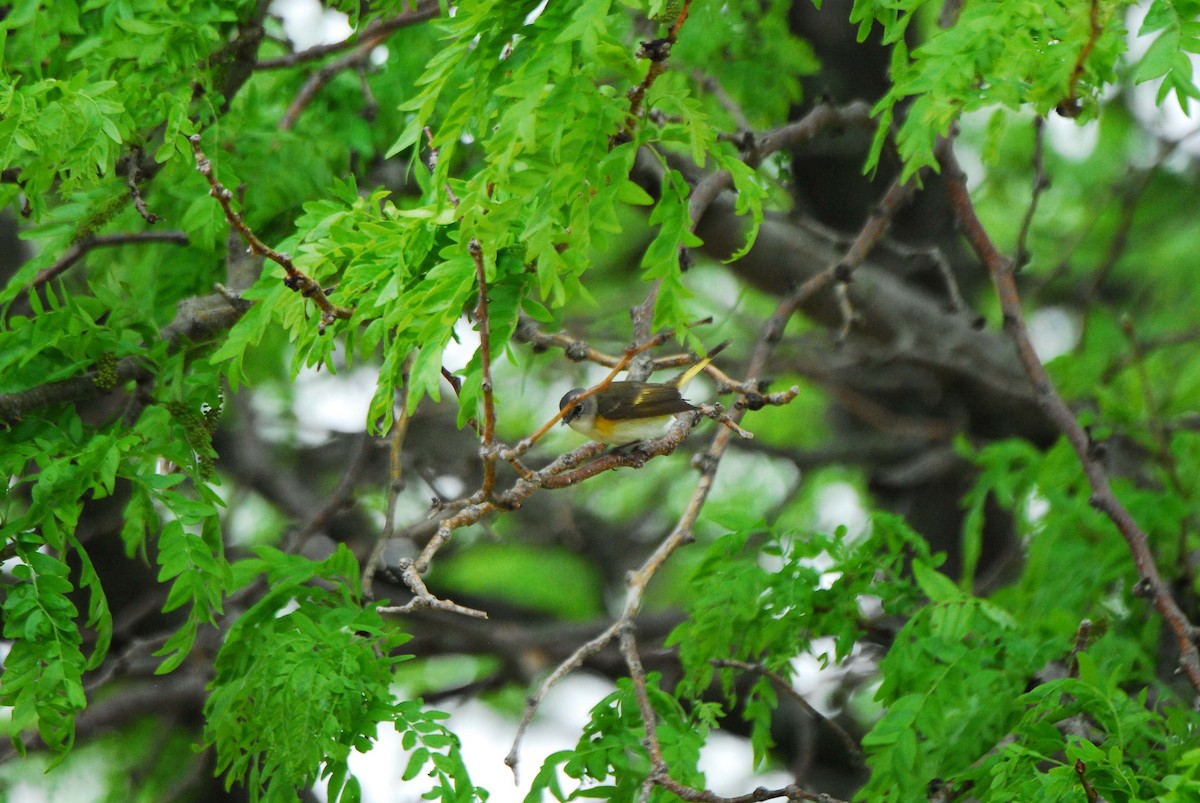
pixel 1041 181
pixel 707 463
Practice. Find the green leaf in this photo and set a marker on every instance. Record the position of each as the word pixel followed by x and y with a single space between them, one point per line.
pixel 934 584
pixel 1158 58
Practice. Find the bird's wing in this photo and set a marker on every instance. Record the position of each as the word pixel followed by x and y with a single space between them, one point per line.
pixel 640 400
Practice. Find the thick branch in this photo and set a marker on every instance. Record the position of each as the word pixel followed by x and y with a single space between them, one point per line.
pixel 911 325
pixel 13 405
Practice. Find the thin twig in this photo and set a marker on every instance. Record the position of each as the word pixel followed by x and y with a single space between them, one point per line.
pixel 1158 428
pixel 1128 194
pixel 468 515
pixel 577 350
pixel 872 231
pixel 1041 182
pixel 1071 106
pixel 370 106
pixel 341 497
pixel 534 701
pixel 955 303
pixel 395 482
pixel 80 248
pixel 117 666
pixel 884 419
pixel 712 85
pixel 1120 238
pixel 1129 197
pixel 841 292
pixel 753 400
pixel 133 175
pixel 1088 790
pixel 657 52
pixel 642 316
pixel 317 81
pixel 717 413
pixel 785 686
pixel 637 674
pixel 660 772
pixel 296 280
pixel 423 599
pixel 485 353
pixel 756 147
pixel 1083 636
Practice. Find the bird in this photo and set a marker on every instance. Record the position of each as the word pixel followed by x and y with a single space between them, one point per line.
pixel 627 412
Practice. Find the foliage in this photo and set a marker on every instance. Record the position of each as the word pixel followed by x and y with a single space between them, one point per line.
pixel 304 677
pixel 768 611
pixel 956 675
pixel 521 174
pixel 610 760
pixel 1038 55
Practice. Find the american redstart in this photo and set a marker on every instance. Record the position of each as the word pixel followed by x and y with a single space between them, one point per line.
pixel 628 412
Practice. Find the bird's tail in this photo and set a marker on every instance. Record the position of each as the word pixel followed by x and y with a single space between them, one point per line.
pixel 690 373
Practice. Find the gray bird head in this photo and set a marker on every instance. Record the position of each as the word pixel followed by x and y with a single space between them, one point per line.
pixel 588 405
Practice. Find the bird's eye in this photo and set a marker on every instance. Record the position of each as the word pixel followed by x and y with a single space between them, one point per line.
pixel 569 401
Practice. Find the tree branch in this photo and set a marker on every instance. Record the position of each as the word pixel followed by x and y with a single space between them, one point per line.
pixel 317 81
pixel 80 249
pixel 1103 499
pixel 377 29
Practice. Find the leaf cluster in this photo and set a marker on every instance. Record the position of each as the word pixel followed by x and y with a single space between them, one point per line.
pixel 41 508
pixel 1009 54
pixel 959 701
pixel 764 597
pixel 610 761
pixel 304 678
